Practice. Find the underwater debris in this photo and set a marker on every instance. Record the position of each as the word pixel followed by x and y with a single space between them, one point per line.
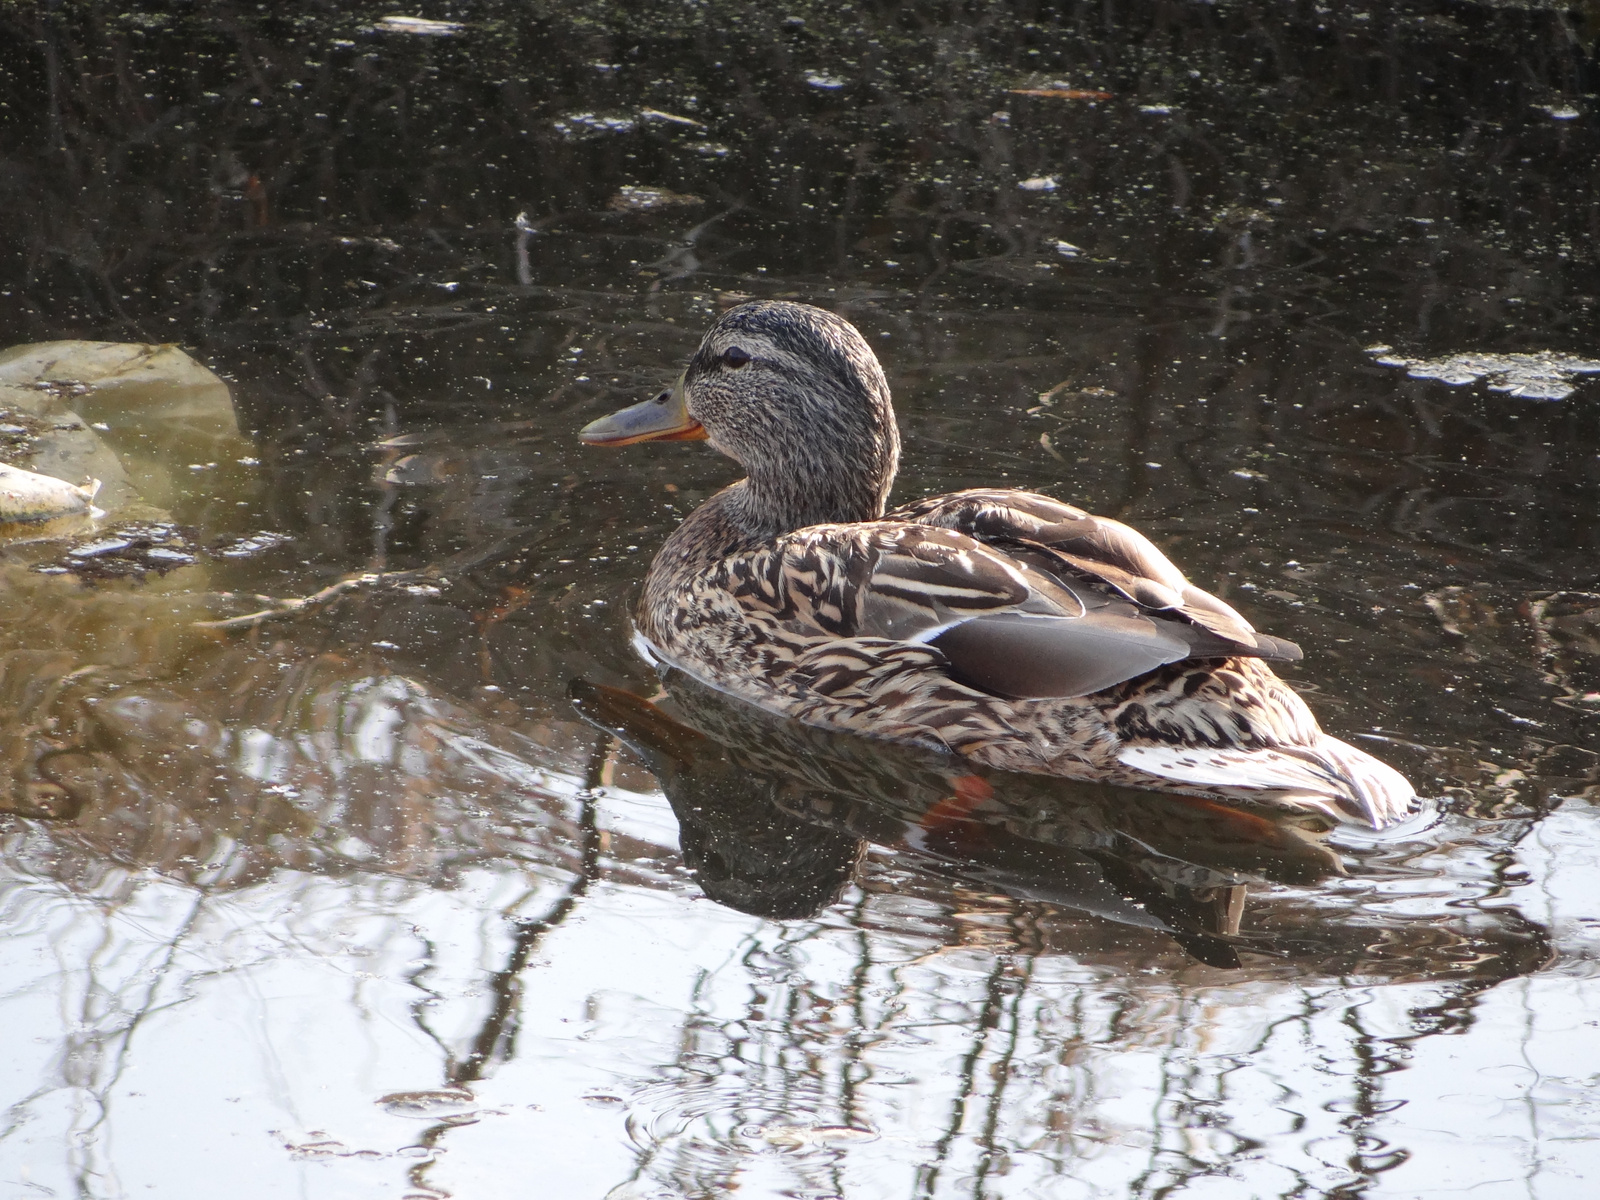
pixel 1545 375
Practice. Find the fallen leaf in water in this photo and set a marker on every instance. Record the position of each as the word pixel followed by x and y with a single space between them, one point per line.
pixel 648 199
pixel 131 550
pixel 428 1104
pixel 1060 93
pixel 655 114
pixel 418 26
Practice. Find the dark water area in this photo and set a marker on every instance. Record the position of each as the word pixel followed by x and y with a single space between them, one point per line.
pixel 409 892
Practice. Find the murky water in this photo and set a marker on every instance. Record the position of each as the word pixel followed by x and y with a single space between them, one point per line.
pixel 404 892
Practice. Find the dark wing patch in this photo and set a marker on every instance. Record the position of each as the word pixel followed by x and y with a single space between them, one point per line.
pixel 1100 548
pixel 1023 657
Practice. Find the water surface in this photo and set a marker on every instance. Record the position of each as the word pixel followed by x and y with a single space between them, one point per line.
pixel 404 896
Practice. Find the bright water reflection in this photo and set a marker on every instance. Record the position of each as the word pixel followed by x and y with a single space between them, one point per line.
pixel 374 900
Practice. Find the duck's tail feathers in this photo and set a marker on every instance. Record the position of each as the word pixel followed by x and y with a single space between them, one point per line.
pixel 1331 776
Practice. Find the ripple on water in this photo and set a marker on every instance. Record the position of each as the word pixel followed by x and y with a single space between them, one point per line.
pixel 802 1137
pixel 700 1127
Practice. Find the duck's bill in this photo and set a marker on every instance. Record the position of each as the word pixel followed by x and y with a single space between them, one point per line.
pixel 663 419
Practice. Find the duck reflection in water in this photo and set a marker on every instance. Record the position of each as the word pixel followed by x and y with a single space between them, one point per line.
pixel 775 817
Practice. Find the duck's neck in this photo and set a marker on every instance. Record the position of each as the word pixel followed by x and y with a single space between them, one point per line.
pixel 766 506
pixel 840 488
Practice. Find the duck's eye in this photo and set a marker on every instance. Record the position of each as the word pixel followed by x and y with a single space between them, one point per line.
pixel 735 357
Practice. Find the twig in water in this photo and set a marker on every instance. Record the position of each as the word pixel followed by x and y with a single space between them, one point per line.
pixel 321 599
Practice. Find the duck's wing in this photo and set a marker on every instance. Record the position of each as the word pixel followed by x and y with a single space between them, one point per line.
pixel 1005 623
pixel 1098 547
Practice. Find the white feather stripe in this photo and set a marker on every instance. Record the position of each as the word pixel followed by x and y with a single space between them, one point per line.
pixel 923 636
pixel 842 658
pixel 1384 793
pixel 1233 768
pixel 1350 776
pixel 937 593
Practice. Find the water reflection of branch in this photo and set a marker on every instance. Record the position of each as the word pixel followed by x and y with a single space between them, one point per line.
pixel 988 1019
pixel 1370 1064
pixel 495 1041
pixel 697 1015
pixel 786 1087
pixel 1002 1076
pixel 77 1062
pixel 860 977
pixel 850 1050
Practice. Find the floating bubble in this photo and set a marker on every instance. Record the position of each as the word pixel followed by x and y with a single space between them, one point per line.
pixel 820 79
pixel 587 124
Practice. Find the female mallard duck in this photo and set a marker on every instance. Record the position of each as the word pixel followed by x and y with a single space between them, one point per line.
pixel 1007 627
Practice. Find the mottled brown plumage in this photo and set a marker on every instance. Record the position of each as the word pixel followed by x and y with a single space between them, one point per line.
pixel 1004 626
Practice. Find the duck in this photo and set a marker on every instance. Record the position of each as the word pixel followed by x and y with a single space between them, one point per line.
pixel 1004 627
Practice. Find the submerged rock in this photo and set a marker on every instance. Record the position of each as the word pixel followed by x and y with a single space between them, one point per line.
pixel 127 414
pixel 48 366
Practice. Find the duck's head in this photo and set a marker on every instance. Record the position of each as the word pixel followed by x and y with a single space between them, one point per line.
pixel 796 397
